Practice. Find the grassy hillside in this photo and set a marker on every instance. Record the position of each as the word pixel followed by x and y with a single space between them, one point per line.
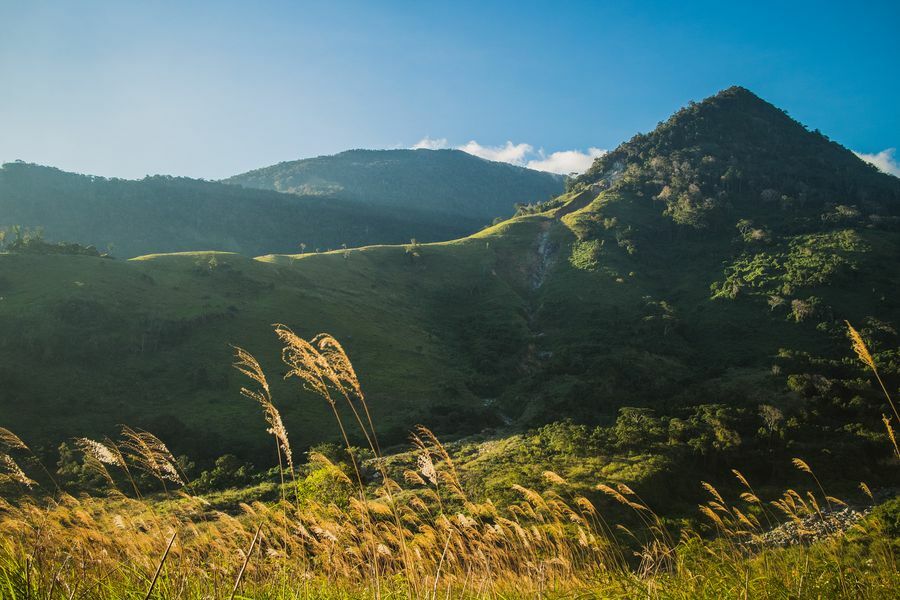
pixel 449 182
pixel 713 312
pixel 545 514
pixel 147 340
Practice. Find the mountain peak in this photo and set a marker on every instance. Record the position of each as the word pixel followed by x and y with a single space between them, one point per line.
pixel 735 91
pixel 732 107
pixel 722 154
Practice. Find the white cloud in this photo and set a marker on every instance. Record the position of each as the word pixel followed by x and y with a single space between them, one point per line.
pixel 514 154
pixel 562 162
pixel 431 143
pixel 884 160
pixel 566 161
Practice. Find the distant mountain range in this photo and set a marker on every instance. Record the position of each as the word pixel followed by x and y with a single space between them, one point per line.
pixel 404 194
pixel 446 182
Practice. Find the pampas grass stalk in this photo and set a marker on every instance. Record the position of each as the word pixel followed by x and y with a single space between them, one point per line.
pixel 237 582
pixel 862 352
pixel 159 567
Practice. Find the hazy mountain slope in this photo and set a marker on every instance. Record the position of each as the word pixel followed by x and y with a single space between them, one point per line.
pixel 445 181
pixel 170 214
pixel 705 303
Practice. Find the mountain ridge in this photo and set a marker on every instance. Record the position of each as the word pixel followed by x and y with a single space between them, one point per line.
pixel 169 214
pixel 399 178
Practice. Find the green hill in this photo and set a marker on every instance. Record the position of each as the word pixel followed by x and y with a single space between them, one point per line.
pixel 448 182
pixel 174 214
pixel 699 274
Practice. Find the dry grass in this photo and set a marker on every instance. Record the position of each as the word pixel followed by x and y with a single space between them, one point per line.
pixel 422 537
pixel 862 352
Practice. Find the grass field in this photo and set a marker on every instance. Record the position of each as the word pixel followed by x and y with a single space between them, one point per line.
pixel 409 526
pixel 155 332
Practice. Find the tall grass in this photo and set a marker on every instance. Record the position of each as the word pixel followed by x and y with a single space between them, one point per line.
pixel 412 532
pixel 862 352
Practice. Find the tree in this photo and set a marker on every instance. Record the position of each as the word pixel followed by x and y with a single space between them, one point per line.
pixel 803 309
pixel 773 425
pixel 228 471
pixel 711 431
pixel 637 428
pixel 744 226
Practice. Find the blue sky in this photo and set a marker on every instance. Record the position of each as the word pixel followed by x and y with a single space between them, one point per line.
pixel 212 89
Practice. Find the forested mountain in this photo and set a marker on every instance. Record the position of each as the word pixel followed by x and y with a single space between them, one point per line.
pixel 444 181
pixel 172 214
pixel 735 154
pixel 683 305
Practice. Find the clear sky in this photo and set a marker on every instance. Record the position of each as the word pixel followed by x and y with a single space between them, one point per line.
pixel 211 89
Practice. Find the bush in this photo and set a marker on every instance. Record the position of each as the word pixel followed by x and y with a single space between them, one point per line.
pixel 228 472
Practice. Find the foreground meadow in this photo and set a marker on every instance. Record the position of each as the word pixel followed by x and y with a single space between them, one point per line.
pixel 377 526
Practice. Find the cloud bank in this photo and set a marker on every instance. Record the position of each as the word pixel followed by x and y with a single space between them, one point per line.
pixel 523 155
pixel 428 143
pixel 514 154
pixel 884 160
pixel 567 161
